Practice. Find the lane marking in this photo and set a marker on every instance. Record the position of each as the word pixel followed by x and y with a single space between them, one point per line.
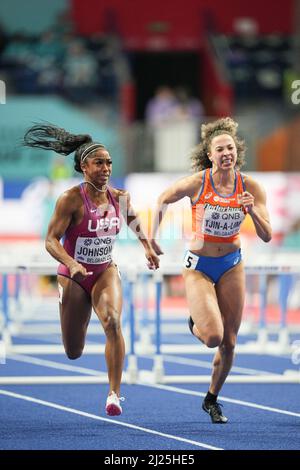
pixel 53 364
pixel 207 364
pixel 167 358
pixel 184 391
pixel 106 420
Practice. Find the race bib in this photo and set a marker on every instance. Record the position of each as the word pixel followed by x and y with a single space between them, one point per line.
pixel 94 250
pixel 190 260
pixel 222 221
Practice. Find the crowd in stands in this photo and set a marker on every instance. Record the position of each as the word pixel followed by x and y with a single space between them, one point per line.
pixel 257 65
pixel 61 62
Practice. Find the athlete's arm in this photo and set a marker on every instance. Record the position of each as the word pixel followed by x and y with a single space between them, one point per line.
pixel 254 200
pixel 65 209
pixel 133 221
pixel 187 186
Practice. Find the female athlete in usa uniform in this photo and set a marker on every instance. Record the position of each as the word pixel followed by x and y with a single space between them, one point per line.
pixel 213 271
pixel 88 217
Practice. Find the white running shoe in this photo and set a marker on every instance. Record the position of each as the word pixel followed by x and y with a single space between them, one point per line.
pixel 113 407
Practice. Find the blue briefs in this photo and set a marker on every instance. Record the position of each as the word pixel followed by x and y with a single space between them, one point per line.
pixel 213 267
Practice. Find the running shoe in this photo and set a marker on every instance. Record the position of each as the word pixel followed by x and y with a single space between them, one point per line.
pixel 113 407
pixel 215 412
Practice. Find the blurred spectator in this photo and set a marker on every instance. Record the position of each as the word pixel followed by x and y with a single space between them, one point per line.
pixel 18 50
pixel 162 107
pixel 187 107
pixel 48 55
pixel 49 47
pixel 173 119
pixel 113 65
pixel 81 71
pixel 60 170
pixel 17 60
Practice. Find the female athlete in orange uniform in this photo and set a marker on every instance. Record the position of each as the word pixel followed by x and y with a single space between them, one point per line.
pixel 213 269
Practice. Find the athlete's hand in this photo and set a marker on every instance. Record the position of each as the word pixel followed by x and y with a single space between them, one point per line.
pixel 153 259
pixel 157 249
pixel 247 200
pixel 76 269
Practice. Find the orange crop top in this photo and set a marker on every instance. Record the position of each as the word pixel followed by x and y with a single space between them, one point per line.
pixel 217 218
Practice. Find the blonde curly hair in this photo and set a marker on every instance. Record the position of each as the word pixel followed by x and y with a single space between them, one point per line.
pixel 199 156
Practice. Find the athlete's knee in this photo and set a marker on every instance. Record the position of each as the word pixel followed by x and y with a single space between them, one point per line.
pixel 112 323
pixel 213 340
pixel 228 345
pixel 73 353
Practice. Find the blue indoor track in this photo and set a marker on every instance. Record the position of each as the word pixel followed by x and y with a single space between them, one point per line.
pixel 155 417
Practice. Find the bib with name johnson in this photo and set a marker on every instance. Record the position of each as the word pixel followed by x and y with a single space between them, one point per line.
pixel 91 242
pixel 96 250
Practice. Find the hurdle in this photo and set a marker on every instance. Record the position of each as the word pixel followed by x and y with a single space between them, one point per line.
pixel 261 346
pixel 156 350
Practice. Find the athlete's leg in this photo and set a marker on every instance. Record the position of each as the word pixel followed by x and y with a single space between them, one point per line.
pixel 107 303
pixel 75 313
pixel 231 296
pixel 204 309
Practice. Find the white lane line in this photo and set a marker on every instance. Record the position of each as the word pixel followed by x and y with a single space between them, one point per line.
pixel 53 364
pixel 188 392
pixel 167 358
pixel 207 364
pixel 229 400
pixel 106 420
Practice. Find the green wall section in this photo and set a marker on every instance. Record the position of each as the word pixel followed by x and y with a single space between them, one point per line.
pixel 18 114
pixel 30 16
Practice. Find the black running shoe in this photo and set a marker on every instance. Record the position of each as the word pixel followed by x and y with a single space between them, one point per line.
pixel 191 324
pixel 215 412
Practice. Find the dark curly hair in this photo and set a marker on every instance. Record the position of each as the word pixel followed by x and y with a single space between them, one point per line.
pixel 51 137
pixel 199 156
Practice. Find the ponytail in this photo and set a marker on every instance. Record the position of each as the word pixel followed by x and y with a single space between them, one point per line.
pixel 51 137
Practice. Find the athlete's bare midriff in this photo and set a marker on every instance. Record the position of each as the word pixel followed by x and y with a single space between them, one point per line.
pixel 202 248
